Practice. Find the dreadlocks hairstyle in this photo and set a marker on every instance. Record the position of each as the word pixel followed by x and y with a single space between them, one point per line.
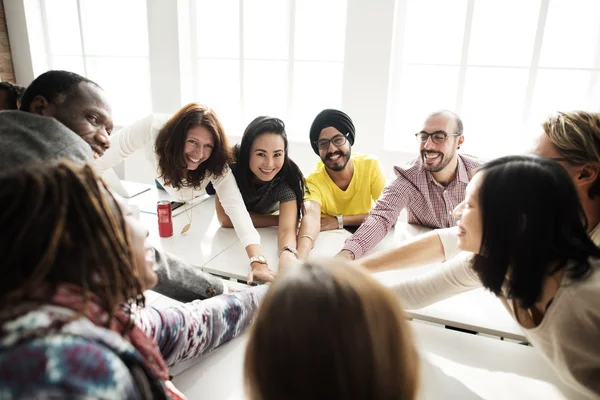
pixel 170 143
pixel 60 224
pixel 55 86
pixel 290 172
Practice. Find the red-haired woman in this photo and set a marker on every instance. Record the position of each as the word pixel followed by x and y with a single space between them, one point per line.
pixel 189 150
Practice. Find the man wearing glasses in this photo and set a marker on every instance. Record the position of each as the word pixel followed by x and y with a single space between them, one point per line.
pixel 429 188
pixel 344 186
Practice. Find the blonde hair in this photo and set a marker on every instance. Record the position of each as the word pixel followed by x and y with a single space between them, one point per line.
pixel 576 134
pixel 330 331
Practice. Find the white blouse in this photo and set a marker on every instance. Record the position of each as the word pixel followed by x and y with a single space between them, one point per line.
pixel 568 335
pixel 141 136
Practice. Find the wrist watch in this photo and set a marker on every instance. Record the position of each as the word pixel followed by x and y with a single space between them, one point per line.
pixel 259 259
pixel 290 249
pixel 340 219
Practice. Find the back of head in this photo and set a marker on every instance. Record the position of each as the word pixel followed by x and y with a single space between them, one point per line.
pixel 576 135
pixel 55 86
pixel 10 95
pixel 61 225
pixel 27 137
pixel 532 219
pixel 330 332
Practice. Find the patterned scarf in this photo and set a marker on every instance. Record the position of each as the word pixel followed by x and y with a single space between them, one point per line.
pixel 71 296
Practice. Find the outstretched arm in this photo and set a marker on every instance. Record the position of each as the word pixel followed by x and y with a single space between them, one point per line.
pixel 193 329
pixel 309 228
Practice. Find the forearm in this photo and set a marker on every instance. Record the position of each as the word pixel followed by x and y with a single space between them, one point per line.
pixel 195 328
pixel 286 237
pixel 309 230
pixel 422 250
pixel 354 220
pixel 445 280
pixel 264 220
pixel 233 205
pixel 222 216
pixel 381 218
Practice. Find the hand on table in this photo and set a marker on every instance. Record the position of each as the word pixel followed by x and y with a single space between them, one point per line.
pixel 260 272
pixel 329 223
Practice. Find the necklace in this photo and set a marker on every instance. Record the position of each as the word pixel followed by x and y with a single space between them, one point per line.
pixel 188 213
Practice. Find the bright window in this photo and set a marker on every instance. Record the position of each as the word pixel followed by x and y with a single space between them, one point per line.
pixel 503 66
pixel 106 41
pixel 280 58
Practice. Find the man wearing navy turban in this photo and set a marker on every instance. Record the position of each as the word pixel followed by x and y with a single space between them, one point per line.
pixel 344 186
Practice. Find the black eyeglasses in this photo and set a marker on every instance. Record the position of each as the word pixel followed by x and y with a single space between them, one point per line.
pixel 337 141
pixel 559 159
pixel 436 137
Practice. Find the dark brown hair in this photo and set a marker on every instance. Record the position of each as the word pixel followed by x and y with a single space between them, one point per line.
pixel 330 332
pixel 170 143
pixel 61 225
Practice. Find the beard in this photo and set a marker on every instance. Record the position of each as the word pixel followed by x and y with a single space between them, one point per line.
pixel 339 164
pixel 442 163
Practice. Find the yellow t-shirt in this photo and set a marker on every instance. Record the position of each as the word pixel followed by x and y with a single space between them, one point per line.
pixel 365 187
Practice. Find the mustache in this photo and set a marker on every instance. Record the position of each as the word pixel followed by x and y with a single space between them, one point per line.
pixel 328 156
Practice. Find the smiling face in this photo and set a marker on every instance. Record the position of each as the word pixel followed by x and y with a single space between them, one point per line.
pixel 469 220
pixel 86 112
pixel 266 156
pixel 334 158
pixel 435 156
pixel 199 144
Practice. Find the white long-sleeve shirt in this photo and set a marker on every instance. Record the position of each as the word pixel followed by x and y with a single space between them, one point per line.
pixel 141 136
pixel 568 335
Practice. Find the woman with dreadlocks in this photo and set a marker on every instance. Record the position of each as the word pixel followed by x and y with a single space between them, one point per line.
pixel 73 322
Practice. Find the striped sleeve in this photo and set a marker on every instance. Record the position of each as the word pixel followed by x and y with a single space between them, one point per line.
pixel 382 217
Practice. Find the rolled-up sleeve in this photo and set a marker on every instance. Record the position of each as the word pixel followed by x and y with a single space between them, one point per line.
pixel 382 217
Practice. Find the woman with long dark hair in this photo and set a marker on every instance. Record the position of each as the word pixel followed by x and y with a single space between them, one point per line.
pixel 75 265
pixel 187 151
pixel 522 218
pixel 270 182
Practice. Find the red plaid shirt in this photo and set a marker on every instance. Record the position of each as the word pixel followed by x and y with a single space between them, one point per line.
pixel 429 203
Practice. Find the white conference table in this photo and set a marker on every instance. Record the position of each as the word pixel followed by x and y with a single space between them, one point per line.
pixel 476 310
pixel 218 251
pixel 201 243
pixel 454 365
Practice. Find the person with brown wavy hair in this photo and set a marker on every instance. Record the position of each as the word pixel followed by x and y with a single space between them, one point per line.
pixel 75 266
pixel 187 151
pixel 330 331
